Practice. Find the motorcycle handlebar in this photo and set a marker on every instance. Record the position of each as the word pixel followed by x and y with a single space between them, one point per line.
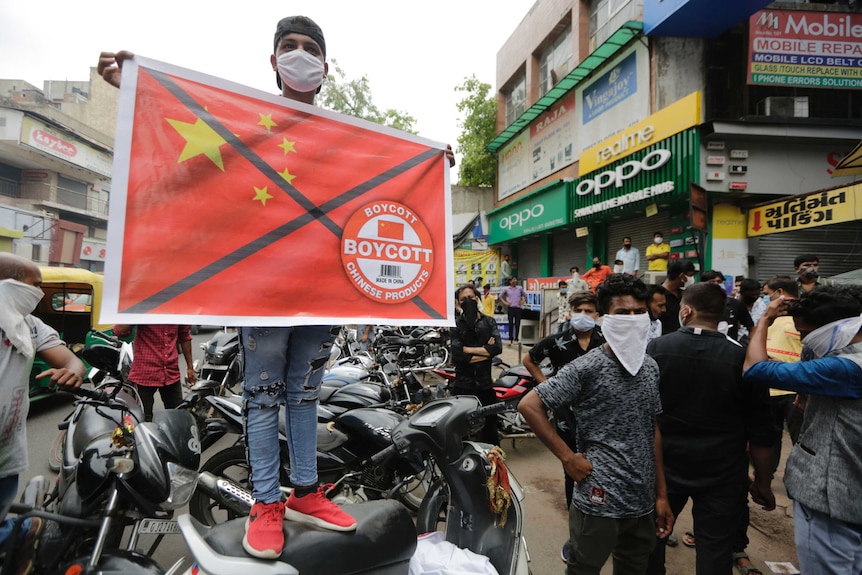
pixel 494 409
pixel 382 456
pixel 110 339
pixel 95 394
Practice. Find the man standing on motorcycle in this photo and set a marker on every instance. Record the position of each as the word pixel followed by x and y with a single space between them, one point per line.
pixel 283 365
pixel 579 336
pixel 22 337
pixel 475 340
pixel 620 503
pixel 155 366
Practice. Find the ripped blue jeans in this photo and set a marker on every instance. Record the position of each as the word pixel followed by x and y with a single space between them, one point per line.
pixel 283 366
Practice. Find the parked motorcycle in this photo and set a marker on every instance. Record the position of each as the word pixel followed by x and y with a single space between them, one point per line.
pixel 423 349
pixel 510 387
pixel 223 361
pixel 345 448
pixel 386 537
pixel 117 472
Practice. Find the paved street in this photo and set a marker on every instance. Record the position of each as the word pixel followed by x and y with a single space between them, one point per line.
pixel 539 472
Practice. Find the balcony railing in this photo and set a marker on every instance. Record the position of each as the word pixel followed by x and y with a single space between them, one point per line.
pixel 10 189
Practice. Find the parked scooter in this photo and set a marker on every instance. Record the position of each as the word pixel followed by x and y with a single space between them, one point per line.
pixel 223 361
pixel 386 538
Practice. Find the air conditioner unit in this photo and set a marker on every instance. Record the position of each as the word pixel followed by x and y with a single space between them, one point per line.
pixel 784 107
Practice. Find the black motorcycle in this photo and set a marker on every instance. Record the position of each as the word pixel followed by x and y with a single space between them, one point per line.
pixel 223 362
pixel 120 478
pixel 345 448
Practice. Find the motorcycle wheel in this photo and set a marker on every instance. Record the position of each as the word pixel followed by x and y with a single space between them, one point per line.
pixel 55 455
pixel 231 464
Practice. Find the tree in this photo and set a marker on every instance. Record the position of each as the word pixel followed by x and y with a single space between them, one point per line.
pixel 477 130
pixel 353 97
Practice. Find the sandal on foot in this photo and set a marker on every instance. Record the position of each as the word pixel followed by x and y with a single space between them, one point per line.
pixel 672 541
pixel 745 569
pixel 688 539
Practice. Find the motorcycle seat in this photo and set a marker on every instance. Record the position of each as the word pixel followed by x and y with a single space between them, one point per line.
pixel 385 536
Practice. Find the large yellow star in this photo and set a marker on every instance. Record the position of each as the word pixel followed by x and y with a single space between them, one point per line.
pixel 287 146
pixel 287 176
pixel 266 121
pixel 261 194
pixel 200 139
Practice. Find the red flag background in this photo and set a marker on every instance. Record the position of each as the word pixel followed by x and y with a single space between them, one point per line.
pixel 235 207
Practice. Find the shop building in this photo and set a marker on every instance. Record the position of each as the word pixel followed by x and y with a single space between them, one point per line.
pixel 605 123
pixel 55 170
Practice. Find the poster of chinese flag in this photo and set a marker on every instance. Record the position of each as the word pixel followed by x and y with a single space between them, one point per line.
pixel 231 206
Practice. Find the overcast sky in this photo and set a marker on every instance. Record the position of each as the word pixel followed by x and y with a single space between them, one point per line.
pixel 413 53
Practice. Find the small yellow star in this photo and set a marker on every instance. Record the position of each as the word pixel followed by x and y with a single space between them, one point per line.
pixel 287 146
pixel 261 194
pixel 266 121
pixel 287 175
pixel 200 139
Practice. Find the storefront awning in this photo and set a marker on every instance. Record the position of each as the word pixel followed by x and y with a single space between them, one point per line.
pixel 599 56
pixel 851 164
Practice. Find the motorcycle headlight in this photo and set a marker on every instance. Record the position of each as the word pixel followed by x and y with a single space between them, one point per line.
pixel 219 356
pixel 183 482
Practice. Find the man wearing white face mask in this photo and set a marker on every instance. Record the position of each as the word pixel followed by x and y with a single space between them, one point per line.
pixel 824 472
pixel 680 273
pixel 620 503
pixel 22 338
pixel 579 336
pixel 283 365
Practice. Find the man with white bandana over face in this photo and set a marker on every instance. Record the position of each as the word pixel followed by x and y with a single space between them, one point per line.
pixel 824 471
pixel 22 338
pixel 620 502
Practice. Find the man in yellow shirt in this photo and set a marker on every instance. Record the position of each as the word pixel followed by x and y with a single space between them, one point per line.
pixel 658 253
pixel 489 300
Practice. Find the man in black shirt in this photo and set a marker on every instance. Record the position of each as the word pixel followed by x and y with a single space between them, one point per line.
pixel 680 273
pixel 708 417
pixel 475 340
pixel 735 312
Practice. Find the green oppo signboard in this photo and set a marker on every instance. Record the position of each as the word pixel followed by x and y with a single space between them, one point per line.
pixel 540 211
pixel 663 169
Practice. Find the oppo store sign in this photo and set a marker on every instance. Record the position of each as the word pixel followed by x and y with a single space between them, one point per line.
pixel 616 177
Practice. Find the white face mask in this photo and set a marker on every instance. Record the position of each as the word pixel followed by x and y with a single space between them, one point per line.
pixel 301 71
pixel 627 337
pixel 658 240
pixel 833 335
pixel 689 281
pixel 582 322
pixel 19 300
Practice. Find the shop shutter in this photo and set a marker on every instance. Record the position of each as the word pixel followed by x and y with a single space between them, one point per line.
pixel 529 259
pixel 838 246
pixel 641 231
pixel 569 250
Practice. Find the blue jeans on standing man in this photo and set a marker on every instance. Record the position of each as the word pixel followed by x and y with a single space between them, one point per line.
pixel 8 490
pixel 283 366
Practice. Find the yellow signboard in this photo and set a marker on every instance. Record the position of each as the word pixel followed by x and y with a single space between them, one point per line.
pixel 807 211
pixel 682 114
pixel 482 266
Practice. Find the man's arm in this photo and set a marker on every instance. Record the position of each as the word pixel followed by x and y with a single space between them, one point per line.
pixel 533 367
pixel 67 371
pixel 637 265
pixel 663 515
pixel 122 330
pixel 576 464
pixel 523 297
pixel 186 348
pixel 761 488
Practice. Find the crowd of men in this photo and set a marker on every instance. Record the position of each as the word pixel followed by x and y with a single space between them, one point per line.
pixel 680 391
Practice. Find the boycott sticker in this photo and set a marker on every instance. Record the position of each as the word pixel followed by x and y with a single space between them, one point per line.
pixel 387 253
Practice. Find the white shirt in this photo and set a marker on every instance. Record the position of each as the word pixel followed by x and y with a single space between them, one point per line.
pixel 631 259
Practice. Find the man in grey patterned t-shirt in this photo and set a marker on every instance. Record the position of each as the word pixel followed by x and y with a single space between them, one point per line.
pixel 620 502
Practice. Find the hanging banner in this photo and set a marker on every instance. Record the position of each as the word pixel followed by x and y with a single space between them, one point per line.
pixel 231 206
pixel 482 267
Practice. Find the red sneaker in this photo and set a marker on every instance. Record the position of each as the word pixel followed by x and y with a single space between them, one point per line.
pixel 264 537
pixel 316 509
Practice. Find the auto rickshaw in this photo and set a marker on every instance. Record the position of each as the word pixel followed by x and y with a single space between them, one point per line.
pixel 71 305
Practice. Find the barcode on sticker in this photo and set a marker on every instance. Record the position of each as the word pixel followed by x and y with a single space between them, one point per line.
pixel 390 271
